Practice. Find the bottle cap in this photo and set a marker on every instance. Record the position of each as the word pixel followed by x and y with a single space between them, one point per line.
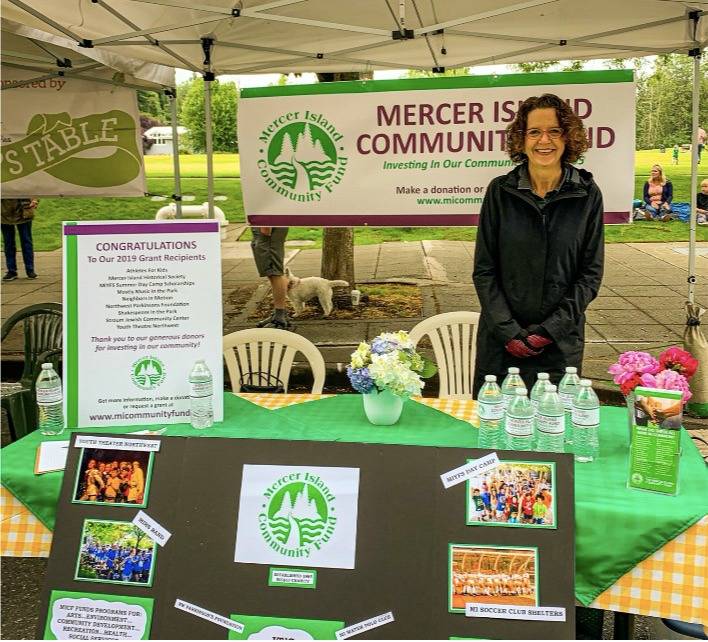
pixel 543 376
pixel 571 370
pixel 513 370
pixel 490 378
pixel 550 387
pixel 520 391
pixel 47 366
pixel 586 382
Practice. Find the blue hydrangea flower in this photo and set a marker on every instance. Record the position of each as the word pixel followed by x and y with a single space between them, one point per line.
pixel 360 379
pixel 383 346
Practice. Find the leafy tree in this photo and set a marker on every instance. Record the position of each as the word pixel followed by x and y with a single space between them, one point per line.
pixel 550 65
pixel 664 101
pixel 153 104
pixel 223 115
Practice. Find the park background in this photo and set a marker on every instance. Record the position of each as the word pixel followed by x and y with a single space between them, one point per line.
pixel 663 119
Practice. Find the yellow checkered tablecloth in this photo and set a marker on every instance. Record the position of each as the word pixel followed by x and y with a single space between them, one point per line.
pixel 21 533
pixel 671 583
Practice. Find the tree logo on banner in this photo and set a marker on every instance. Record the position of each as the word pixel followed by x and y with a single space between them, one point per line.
pixel 148 373
pixel 302 160
pixel 63 147
pixel 298 517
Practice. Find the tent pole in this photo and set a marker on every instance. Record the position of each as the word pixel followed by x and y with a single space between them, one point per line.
pixel 696 54
pixel 177 196
pixel 208 78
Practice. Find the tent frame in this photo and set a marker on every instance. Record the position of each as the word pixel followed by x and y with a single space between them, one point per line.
pixel 399 33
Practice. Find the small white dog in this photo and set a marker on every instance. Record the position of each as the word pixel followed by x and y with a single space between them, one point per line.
pixel 300 291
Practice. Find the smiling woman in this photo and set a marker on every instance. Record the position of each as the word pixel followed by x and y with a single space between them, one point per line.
pixel 550 213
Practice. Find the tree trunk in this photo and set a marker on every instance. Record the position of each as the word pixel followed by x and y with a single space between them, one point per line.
pixel 338 242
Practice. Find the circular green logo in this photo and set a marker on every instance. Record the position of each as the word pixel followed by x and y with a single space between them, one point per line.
pixel 147 373
pixel 301 159
pixel 298 517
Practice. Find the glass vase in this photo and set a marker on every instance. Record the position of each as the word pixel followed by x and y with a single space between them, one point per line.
pixel 382 408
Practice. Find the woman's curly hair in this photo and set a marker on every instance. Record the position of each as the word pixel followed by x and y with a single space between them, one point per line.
pixel 575 136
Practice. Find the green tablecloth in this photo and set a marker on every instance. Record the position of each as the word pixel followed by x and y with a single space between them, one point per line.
pixel 616 528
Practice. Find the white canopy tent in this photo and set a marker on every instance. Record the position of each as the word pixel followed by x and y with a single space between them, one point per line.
pixel 261 36
pixel 43 56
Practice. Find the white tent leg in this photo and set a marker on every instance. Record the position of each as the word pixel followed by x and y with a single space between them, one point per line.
pixel 696 53
pixel 172 96
pixel 209 146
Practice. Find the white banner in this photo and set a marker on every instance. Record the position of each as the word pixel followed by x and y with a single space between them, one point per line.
pixel 415 152
pixel 304 515
pixel 69 137
pixel 142 303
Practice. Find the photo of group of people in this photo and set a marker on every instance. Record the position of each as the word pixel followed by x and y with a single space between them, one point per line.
pixel 113 477
pixel 515 493
pixel 492 575
pixel 116 553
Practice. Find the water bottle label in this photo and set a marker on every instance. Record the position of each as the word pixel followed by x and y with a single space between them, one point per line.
pixel 519 426
pixel 49 395
pixel 490 411
pixel 586 416
pixel 201 389
pixel 551 425
pixel 567 399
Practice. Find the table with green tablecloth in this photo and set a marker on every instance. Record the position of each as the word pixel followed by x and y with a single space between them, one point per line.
pixel 635 551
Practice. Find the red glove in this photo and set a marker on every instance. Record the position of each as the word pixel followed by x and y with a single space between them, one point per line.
pixel 538 341
pixel 537 337
pixel 517 348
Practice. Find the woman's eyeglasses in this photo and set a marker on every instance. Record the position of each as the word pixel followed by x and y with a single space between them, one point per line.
pixel 553 133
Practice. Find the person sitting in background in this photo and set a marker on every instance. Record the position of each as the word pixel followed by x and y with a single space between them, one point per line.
pixel 658 194
pixel 675 155
pixel 702 204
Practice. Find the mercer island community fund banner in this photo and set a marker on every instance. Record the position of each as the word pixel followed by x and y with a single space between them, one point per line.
pixel 416 152
pixel 142 302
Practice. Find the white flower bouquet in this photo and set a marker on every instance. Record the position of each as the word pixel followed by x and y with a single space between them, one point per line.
pixel 389 363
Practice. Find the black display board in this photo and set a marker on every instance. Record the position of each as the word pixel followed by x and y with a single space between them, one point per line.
pixel 406 522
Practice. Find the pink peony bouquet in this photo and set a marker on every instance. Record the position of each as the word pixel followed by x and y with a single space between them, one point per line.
pixel 671 371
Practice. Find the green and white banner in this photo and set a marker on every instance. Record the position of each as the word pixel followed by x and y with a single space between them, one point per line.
pixel 70 137
pixel 415 152
pixel 142 303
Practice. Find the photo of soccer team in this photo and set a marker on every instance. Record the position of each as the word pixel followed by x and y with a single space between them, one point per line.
pixel 119 477
pixel 492 575
pixel 515 493
pixel 116 553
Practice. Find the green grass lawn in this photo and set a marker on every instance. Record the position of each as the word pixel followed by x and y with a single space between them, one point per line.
pixel 51 211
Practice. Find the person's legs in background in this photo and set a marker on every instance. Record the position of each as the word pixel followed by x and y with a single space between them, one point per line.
pixel 25 232
pixel 268 247
pixel 279 285
pixel 8 238
pixel 651 213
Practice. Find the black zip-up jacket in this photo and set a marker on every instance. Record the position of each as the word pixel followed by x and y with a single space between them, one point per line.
pixel 538 262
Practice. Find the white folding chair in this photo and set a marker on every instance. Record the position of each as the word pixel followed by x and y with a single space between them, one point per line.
pixel 268 354
pixel 453 336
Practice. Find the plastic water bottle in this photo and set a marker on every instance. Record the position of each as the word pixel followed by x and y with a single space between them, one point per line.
pixel 201 393
pixel 586 423
pixel 50 401
pixel 490 408
pixel 539 388
pixel 511 382
pixel 550 422
pixel 519 422
pixel 567 389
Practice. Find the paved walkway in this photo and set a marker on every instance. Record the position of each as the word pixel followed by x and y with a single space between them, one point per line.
pixel 640 303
